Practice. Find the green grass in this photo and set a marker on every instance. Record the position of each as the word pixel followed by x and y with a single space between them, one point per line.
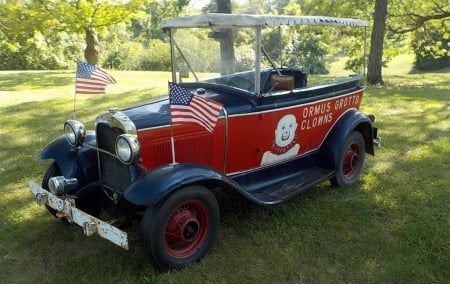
pixel 393 226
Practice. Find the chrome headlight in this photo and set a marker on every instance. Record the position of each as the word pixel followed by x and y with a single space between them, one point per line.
pixel 127 148
pixel 74 132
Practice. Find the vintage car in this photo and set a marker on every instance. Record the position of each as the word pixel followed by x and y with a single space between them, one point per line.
pixel 264 133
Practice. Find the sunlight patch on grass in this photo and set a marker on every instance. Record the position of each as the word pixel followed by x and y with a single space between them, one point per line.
pixel 390 226
pixel 399 65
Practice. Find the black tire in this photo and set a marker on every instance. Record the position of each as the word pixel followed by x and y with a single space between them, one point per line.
pixel 181 230
pixel 350 160
pixel 52 171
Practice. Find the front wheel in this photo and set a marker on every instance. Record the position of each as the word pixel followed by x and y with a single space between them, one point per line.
pixel 181 229
pixel 350 160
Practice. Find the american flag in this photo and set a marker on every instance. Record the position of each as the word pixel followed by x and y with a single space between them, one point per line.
pixel 187 107
pixel 91 79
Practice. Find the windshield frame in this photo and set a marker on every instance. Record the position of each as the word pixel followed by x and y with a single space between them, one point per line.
pixel 218 20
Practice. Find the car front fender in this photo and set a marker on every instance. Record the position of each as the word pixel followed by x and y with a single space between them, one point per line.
pixel 352 120
pixel 74 162
pixel 159 183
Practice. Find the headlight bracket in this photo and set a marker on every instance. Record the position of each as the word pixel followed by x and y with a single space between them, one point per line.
pixel 75 132
pixel 127 148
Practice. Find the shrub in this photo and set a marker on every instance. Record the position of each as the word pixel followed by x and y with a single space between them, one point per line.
pixel 431 45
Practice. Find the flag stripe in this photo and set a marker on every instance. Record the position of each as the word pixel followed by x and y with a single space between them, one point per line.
pixel 91 79
pixel 102 76
pixel 190 117
pixel 197 111
pixel 181 115
pixel 186 107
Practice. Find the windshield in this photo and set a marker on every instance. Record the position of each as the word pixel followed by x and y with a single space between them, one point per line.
pixel 199 51
pixel 230 56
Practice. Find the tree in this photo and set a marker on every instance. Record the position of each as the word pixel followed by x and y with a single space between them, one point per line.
pixel 46 33
pixel 148 27
pixel 88 17
pixel 431 47
pixel 409 16
pixel 227 57
pixel 428 22
pixel 28 39
pixel 374 70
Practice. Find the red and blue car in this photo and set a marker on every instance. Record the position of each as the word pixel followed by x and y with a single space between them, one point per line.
pixel 265 133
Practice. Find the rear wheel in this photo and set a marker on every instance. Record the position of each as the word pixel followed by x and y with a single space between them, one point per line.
pixel 181 229
pixel 52 171
pixel 350 160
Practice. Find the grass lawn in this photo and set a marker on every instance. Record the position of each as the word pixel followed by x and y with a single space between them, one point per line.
pixel 393 226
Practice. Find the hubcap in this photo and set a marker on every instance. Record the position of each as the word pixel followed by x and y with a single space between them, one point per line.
pixel 186 229
pixel 183 226
pixel 351 160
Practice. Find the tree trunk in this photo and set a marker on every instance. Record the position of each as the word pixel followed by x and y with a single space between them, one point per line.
pixel 227 58
pixel 91 52
pixel 374 71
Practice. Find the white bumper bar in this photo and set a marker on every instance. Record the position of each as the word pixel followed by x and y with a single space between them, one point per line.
pixel 90 224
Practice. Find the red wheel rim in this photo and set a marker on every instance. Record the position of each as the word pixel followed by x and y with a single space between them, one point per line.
pixel 351 160
pixel 186 229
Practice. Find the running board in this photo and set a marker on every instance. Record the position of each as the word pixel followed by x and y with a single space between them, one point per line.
pixel 279 192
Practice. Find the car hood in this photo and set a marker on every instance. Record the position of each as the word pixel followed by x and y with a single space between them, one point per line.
pixel 151 114
pixel 157 112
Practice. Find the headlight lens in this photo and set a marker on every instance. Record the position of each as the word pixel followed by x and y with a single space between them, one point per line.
pixel 75 132
pixel 127 148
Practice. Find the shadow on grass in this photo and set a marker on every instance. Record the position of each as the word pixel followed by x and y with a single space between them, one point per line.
pixel 443 70
pixel 34 80
pixel 391 226
pixel 26 128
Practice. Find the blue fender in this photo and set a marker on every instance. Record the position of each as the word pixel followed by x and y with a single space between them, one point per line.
pixel 80 163
pixel 159 183
pixel 347 123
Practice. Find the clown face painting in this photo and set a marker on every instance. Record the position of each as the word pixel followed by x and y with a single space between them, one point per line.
pixel 284 145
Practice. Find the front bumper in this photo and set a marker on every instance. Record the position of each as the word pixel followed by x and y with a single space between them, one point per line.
pixel 66 209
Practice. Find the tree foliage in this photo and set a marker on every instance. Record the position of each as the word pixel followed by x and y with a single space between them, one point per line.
pixel 428 24
pixel 306 52
pixel 53 18
pixel 431 45
pixel 88 16
pixel 52 34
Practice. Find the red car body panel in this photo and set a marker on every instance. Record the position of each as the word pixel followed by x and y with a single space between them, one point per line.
pixel 249 136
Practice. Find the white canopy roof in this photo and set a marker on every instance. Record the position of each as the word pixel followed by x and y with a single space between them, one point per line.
pixel 244 20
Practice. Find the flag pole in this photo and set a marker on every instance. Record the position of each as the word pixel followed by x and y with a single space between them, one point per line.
pixel 174 80
pixel 74 114
pixel 172 142
pixel 172 139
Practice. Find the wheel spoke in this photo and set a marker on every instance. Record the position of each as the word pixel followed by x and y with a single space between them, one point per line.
pixel 186 229
pixel 351 160
pixel 182 228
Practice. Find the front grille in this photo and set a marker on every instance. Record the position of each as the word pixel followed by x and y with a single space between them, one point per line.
pixel 114 175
